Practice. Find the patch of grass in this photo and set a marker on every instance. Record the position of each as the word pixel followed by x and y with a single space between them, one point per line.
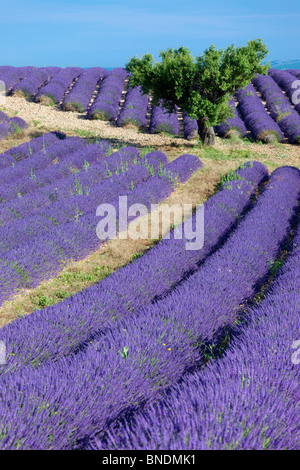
pixel 84 133
pixel 167 134
pixel 17 129
pixel 214 154
pixel 43 300
pixel 238 153
pixel 65 284
pixel 146 150
pixel 98 273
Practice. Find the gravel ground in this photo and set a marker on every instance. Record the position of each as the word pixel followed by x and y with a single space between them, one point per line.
pixel 41 118
pixel 53 118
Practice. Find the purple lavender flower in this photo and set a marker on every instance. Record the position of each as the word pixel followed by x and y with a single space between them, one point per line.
pixel 75 398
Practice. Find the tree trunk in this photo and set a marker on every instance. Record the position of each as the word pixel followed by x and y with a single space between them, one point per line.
pixel 207 134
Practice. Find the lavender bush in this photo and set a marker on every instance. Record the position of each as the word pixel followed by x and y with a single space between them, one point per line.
pixel 58 161
pixel 285 80
pixel 12 75
pixel 279 107
pixel 190 127
pixel 11 126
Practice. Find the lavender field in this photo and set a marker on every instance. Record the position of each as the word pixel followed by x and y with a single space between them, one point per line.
pixel 110 344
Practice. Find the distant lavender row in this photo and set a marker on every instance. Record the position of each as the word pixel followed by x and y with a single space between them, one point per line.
pixel 74 398
pixel 279 107
pixel 106 103
pixel 255 117
pixel 81 93
pixel 12 75
pixel 295 72
pixel 32 82
pixel 162 121
pixel 254 408
pixel 286 81
pixel 72 239
pixel 232 124
pixel 135 108
pixel 56 88
pixel 23 151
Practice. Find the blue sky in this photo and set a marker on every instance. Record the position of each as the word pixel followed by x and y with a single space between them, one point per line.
pixel 107 32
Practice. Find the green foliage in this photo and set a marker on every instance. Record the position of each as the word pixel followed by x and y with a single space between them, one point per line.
pixel 230 176
pixel 201 86
pixel 124 353
pixel 146 150
pixel 43 300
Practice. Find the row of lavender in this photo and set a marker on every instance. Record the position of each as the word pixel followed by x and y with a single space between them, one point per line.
pixel 52 220
pixel 66 401
pixel 279 117
pixel 12 75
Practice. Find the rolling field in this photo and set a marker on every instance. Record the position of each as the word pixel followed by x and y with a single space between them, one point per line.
pixel 141 343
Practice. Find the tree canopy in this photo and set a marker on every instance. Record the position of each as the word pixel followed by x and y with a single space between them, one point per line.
pixel 200 86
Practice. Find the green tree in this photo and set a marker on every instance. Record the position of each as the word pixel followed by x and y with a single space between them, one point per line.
pixel 201 86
